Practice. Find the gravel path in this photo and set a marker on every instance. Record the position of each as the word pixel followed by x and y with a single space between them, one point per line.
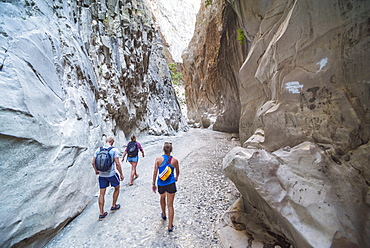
pixel 204 193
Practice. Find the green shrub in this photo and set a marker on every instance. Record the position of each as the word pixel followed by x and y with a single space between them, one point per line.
pixel 241 36
pixel 207 3
pixel 175 75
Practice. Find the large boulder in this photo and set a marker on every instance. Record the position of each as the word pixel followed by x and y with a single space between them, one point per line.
pixel 298 196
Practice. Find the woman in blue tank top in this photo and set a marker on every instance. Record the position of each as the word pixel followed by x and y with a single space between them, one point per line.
pixel 166 173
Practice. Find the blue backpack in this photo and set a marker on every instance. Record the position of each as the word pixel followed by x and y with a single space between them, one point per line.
pixel 104 161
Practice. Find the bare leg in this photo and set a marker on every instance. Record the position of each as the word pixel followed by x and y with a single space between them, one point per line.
pixel 101 200
pixel 171 210
pixel 115 195
pixel 133 172
pixel 163 203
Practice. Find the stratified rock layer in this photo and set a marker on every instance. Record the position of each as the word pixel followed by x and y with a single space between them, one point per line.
pixel 300 75
pixel 71 73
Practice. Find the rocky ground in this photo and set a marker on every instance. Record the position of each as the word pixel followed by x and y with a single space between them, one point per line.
pixel 204 194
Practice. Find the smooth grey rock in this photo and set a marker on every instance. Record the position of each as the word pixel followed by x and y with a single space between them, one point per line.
pixel 300 194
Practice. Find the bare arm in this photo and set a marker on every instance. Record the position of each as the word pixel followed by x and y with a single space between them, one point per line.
pixel 176 165
pixel 93 165
pixel 119 168
pixel 142 152
pixel 155 173
pixel 124 155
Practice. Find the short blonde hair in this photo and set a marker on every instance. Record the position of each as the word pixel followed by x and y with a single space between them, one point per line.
pixel 109 139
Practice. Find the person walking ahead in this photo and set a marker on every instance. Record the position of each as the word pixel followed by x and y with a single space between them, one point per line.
pixel 108 177
pixel 132 152
pixel 164 173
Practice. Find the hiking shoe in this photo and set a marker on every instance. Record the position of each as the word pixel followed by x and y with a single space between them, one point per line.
pixel 102 216
pixel 116 207
pixel 163 216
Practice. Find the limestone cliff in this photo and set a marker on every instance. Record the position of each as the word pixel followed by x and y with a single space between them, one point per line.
pixel 289 75
pixel 71 73
pixel 211 77
pixel 175 20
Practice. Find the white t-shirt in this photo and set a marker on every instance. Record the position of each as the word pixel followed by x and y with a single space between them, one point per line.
pixel 114 153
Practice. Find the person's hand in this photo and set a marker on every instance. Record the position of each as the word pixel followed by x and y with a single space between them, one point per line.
pixel 97 172
pixel 154 188
pixel 121 177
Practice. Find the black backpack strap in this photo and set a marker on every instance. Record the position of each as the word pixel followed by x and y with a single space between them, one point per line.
pixel 110 148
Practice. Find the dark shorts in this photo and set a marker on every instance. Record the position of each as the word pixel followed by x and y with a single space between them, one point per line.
pixel 133 159
pixel 171 188
pixel 105 181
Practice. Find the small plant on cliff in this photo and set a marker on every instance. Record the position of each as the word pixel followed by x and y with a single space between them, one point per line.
pixel 175 75
pixel 177 79
pixel 207 3
pixel 241 36
pixel 109 26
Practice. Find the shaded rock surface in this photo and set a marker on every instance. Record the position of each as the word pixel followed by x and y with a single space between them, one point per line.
pixel 299 76
pixel 212 95
pixel 71 73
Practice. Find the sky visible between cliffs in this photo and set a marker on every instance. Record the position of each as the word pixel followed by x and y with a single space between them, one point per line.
pixel 176 20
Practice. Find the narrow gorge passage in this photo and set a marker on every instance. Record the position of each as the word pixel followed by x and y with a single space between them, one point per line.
pixel 204 193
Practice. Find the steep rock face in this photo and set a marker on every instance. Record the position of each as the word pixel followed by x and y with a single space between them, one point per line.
pixel 71 73
pixel 176 20
pixel 303 79
pixel 309 82
pixel 211 78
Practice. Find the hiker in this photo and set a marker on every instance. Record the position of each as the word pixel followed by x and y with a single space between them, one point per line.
pixel 132 152
pixel 164 168
pixel 107 176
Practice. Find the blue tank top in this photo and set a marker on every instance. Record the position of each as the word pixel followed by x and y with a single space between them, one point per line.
pixel 162 166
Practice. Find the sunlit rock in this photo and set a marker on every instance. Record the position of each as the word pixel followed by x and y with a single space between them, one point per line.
pixel 299 194
pixel 71 73
pixel 175 19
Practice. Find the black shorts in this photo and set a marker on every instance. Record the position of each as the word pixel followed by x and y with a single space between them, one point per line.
pixel 171 188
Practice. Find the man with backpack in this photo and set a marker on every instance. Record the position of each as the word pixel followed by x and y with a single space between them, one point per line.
pixel 105 162
pixel 132 152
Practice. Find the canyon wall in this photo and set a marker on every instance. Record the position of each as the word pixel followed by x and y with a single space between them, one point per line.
pixel 72 73
pixel 297 88
pixel 211 78
pixel 175 19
